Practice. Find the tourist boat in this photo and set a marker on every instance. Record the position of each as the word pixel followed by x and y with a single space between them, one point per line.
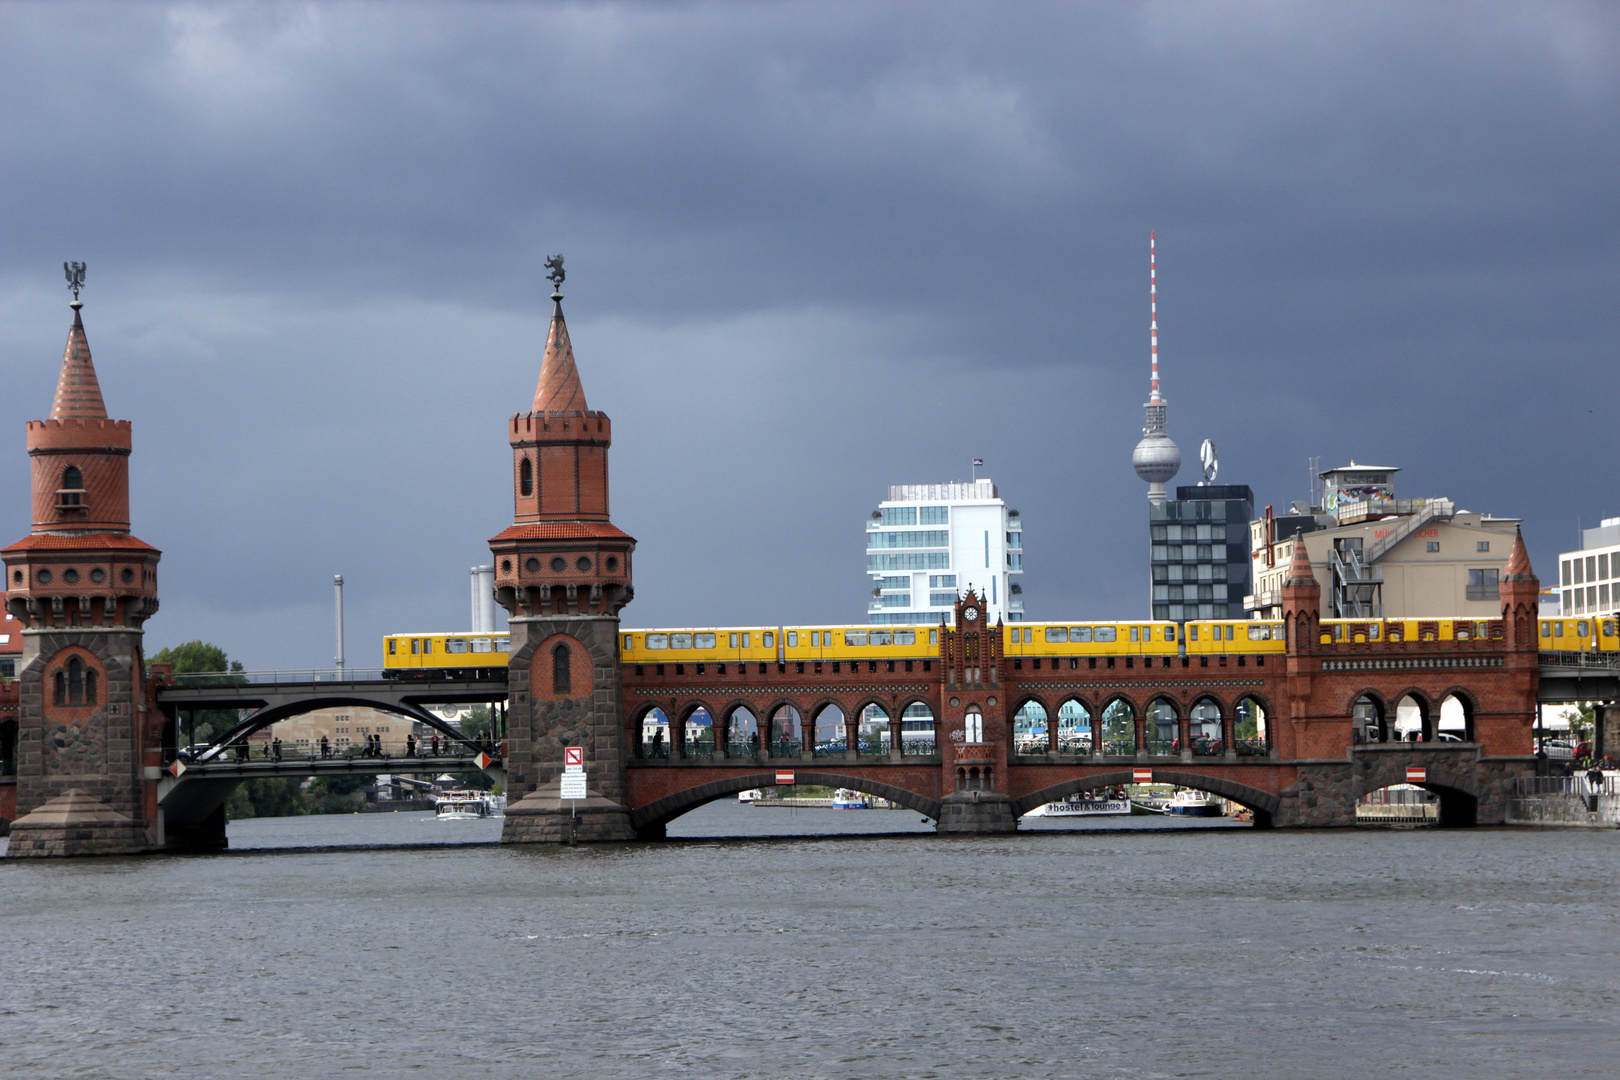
pixel 457 809
pixel 1086 804
pixel 750 795
pixel 1189 803
pixel 845 799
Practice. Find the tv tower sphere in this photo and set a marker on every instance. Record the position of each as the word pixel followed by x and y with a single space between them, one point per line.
pixel 1156 458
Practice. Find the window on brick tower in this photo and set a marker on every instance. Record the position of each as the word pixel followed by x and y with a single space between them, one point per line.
pixel 560 673
pixel 72 490
pixel 76 684
pixel 526 477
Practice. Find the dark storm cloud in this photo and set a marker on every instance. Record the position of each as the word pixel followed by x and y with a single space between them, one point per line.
pixel 815 249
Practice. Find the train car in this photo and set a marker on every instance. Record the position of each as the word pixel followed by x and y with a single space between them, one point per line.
pixel 1231 637
pixel 689 645
pixel 443 655
pixel 1592 633
pixel 824 643
pixel 1147 638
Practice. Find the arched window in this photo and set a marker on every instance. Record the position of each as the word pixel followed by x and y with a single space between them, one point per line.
pixel 72 491
pixel 561 670
pixel 75 681
pixel 61 687
pixel 90 686
pixel 974 725
pixel 526 477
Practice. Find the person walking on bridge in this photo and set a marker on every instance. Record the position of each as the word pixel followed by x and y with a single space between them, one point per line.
pixel 410 746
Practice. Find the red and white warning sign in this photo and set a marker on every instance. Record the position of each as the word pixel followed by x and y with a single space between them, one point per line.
pixel 1416 774
pixel 484 760
pixel 784 776
pixel 177 767
pixel 573 757
pixel 1141 776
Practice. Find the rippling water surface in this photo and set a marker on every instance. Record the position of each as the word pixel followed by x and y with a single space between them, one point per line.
pixel 1121 952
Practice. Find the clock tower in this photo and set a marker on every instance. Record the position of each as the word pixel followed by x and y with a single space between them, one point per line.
pixel 973 724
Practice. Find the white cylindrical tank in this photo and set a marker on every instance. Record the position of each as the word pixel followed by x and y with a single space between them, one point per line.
pixel 483 599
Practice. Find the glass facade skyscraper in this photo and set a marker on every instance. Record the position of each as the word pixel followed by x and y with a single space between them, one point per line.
pixel 1200 552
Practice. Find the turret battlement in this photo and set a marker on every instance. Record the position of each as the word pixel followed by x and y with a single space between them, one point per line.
pixel 585 425
pixel 77 433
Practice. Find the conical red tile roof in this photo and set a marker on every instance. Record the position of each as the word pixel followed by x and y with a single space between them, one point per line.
pixel 78 394
pixel 1299 569
pixel 559 389
pixel 1518 564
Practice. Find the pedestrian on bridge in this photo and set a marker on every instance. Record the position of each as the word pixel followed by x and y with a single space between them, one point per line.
pixel 410 746
pixel 326 748
pixel 435 746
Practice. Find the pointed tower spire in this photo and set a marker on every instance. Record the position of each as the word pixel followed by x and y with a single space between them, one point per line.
pixel 78 393
pixel 1153 313
pixel 1299 568
pixel 1518 564
pixel 559 389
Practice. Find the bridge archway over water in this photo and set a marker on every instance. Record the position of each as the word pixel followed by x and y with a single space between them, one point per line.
pixel 650 821
pixel 1263 803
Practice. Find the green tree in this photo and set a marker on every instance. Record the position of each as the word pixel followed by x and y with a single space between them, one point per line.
pixel 335 794
pixel 270 797
pixel 199 659
pixel 477 722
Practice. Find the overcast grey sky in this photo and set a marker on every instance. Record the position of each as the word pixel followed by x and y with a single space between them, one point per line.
pixel 813 250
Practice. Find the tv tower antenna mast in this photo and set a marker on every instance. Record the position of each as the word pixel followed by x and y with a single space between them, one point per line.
pixel 1156 458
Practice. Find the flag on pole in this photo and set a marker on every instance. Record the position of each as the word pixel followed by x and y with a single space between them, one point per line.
pixel 978 461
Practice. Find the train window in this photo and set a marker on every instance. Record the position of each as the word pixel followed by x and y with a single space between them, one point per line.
pixel 793 637
pixel 733 641
pixel 455 644
pixel 1192 633
pixel 1546 629
pixel 905 637
pixel 1258 633
pixel 427 646
pixel 1169 633
pixel 1558 629
pixel 1374 630
pixel 1133 633
pixel 1229 631
pixel 680 641
pixel 1057 634
pixel 1608 628
pixel 704 641
pixel 769 639
pixel 629 642
pixel 414 644
pixel 933 637
pixel 480 644
pixel 1583 628
pixel 882 637
pixel 657 641
pixel 745 639
pixel 1107 633
pixel 855 637
pixel 391 644
pixel 1079 633
pixel 503 644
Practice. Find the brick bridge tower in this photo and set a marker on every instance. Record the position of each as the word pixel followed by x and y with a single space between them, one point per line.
pixel 82 587
pixel 975 732
pixel 562 572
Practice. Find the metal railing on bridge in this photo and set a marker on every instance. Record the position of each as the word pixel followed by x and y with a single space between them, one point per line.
pixel 1570 659
pixel 314 675
pixel 274 751
pixel 1576 784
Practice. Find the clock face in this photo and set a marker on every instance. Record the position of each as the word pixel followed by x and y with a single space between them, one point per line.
pixel 970 614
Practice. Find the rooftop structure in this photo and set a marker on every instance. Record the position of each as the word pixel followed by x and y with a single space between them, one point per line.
pixel 1156 458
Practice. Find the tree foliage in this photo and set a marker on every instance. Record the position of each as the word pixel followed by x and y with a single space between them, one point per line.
pixel 201 657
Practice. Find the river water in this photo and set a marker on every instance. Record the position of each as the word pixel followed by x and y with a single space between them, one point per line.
pixel 1123 950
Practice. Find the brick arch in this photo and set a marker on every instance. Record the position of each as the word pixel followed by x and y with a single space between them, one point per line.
pixel 1221 703
pixel 1385 707
pixel 581 669
pixel 1264 804
pixel 1130 703
pixel 723 716
pixel 1164 696
pixel 58 664
pixel 652 817
pixel 1470 708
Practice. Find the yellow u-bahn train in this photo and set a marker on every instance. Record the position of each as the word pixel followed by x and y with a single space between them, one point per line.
pixel 421 655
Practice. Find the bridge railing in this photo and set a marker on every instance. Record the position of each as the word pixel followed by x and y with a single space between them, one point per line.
pixel 312 675
pixel 1566 658
pixel 245 752
pixel 1566 785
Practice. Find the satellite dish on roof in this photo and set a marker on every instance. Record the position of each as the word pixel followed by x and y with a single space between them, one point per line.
pixel 1206 457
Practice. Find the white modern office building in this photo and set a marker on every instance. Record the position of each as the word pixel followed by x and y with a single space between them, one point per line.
pixel 1589 579
pixel 927 543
